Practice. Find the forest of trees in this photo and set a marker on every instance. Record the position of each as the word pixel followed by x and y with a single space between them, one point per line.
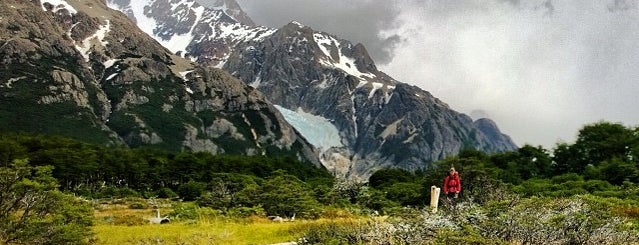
pixel 603 161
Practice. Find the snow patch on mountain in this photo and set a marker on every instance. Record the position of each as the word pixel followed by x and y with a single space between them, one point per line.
pixel 178 43
pixel 327 44
pixel 183 74
pixel 388 95
pixel 210 24
pixel 144 22
pixel 85 46
pixel 239 32
pixel 58 5
pixel 112 76
pixel 386 89
pixel 319 131
pixel 376 86
pixel 175 5
pixel 258 80
pixel 324 42
pixel 299 25
pixel 109 63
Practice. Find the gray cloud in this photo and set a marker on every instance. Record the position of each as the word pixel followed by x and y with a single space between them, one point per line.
pixel 357 21
pixel 621 5
pixel 541 69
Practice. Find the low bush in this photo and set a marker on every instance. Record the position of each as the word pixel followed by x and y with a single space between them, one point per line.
pixel 575 220
pixel 138 205
pixel 165 193
pixel 184 211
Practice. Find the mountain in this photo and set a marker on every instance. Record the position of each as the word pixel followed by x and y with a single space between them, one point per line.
pixel 374 120
pixel 82 70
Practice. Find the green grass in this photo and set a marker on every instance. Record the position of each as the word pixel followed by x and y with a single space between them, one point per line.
pixel 121 224
pixel 204 232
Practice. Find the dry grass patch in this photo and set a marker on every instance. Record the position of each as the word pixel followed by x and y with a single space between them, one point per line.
pixel 218 232
pixel 121 224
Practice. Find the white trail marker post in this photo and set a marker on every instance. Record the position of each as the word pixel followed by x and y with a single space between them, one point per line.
pixel 434 198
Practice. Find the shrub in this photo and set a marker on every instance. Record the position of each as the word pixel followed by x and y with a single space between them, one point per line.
pixel 191 190
pixel 334 233
pixel 117 192
pixel 245 212
pixel 375 199
pixel 185 211
pixel 335 213
pixel 165 193
pixel 138 205
pixel 286 195
pixel 35 212
pixel 575 220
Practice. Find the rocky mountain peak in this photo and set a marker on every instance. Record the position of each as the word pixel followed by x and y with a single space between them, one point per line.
pixel 378 121
pixel 187 28
pixel 231 8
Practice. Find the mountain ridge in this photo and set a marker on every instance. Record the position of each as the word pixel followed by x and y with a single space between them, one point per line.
pixel 381 122
pixel 82 70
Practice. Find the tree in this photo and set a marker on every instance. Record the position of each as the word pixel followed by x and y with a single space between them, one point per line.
pixel 191 190
pixel 616 171
pixel 534 162
pixel 389 176
pixel 34 211
pixel 286 195
pixel 566 159
pixel 604 140
pixel 227 190
pixel 405 193
pixel 9 150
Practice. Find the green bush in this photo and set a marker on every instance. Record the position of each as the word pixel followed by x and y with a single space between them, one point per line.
pixel 117 192
pixel 286 195
pixel 375 200
pixel 165 193
pixel 574 220
pixel 191 190
pixel 185 211
pixel 334 233
pixel 245 212
pixel 405 193
pixel 35 212
pixel 138 205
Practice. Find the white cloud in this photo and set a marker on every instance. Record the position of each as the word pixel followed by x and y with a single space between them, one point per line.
pixel 540 70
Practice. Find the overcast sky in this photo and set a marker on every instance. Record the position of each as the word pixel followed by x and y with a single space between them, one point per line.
pixel 541 69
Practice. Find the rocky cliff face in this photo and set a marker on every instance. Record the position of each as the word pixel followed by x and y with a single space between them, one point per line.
pixel 380 122
pixel 82 70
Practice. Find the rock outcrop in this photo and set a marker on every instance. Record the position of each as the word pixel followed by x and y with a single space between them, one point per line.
pixel 82 70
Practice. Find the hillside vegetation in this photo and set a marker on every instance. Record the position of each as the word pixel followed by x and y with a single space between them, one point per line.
pixel 581 193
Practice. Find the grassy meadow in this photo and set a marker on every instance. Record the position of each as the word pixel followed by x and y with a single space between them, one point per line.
pixel 214 232
pixel 122 224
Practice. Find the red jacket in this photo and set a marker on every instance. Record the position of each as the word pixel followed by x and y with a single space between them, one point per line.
pixel 452 183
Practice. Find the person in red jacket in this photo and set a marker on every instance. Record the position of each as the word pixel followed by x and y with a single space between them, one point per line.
pixel 452 184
